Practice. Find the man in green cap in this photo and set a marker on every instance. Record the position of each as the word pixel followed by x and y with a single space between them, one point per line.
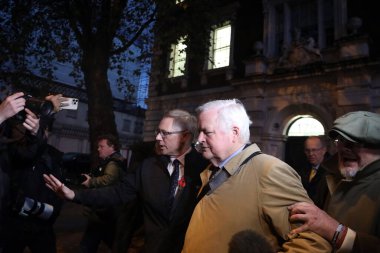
pixel 351 216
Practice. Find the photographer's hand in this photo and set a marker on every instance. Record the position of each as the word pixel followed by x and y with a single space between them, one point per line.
pixel 32 122
pixel 58 187
pixel 11 106
pixel 56 101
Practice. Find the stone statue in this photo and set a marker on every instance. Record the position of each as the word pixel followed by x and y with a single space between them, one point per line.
pixel 299 52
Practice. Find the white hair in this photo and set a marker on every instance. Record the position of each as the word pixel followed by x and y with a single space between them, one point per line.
pixel 230 112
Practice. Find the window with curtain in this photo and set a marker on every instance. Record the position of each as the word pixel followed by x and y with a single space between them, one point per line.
pixel 177 58
pixel 220 47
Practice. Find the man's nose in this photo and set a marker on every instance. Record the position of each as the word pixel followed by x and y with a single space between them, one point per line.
pixel 201 137
pixel 158 137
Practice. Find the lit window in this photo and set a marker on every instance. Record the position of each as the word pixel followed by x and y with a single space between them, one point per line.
pixel 178 58
pixel 220 47
pixel 306 126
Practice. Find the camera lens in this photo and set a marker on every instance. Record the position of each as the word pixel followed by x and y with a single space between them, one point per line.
pixel 40 107
pixel 46 109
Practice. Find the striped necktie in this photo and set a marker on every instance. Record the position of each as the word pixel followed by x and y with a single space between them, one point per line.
pixel 173 182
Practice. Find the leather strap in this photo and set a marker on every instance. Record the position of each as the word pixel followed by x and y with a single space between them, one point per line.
pixel 221 176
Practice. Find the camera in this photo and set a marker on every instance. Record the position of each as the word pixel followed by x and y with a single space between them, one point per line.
pixel 76 180
pixel 40 107
pixel 34 208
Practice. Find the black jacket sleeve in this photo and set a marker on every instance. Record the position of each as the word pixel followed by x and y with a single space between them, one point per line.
pixel 119 193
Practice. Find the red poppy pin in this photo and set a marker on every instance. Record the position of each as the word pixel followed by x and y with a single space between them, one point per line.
pixel 182 182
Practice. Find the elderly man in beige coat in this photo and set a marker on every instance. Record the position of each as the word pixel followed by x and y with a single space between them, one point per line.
pixel 251 190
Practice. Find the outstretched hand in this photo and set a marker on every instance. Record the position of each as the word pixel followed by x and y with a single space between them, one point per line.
pixel 313 219
pixel 58 187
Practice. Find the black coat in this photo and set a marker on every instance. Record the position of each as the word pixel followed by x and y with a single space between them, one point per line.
pixel 164 230
pixel 15 144
pixel 27 181
pixel 317 187
pixel 4 185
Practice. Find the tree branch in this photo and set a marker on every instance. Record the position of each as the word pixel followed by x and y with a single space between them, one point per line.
pixel 136 35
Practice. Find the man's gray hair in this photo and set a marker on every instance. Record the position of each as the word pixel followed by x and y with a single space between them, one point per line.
pixel 231 112
pixel 184 121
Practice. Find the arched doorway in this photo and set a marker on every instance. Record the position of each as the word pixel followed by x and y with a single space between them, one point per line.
pixel 297 130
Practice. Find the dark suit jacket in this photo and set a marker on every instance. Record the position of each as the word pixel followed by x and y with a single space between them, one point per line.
pixel 164 230
pixel 317 187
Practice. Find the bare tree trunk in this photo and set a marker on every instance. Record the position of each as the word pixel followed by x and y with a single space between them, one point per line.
pixel 101 118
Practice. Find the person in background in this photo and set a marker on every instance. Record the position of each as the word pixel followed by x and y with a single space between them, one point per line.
pixel 35 208
pixel 166 184
pixel 21 139
pixel 11 105
pixel 313 177
pixel 245 189
pixel 350 218
pixel 101 224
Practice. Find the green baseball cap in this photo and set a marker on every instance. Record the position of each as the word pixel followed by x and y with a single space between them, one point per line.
pixel 358 127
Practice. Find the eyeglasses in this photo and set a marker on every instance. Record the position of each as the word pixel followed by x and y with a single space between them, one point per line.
pixel 313 150
pixel 165 134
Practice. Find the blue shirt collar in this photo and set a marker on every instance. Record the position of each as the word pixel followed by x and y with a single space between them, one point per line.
pixel 231 156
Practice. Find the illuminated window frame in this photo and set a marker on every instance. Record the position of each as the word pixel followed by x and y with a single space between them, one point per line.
pixel 177 58
pixel 220 47
pixel 305 125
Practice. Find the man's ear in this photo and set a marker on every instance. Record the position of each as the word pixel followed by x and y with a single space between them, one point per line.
pixel 236 133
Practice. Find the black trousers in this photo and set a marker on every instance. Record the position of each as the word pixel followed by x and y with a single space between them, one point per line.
pixel 95 233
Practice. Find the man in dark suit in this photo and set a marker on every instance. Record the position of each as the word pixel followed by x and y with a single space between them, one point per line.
pixel 313 176
pixel 167 206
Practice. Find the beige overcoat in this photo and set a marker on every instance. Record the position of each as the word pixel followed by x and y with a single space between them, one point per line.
pixel 256 197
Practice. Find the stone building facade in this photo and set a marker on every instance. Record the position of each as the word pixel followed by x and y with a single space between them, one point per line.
pixel 287 59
